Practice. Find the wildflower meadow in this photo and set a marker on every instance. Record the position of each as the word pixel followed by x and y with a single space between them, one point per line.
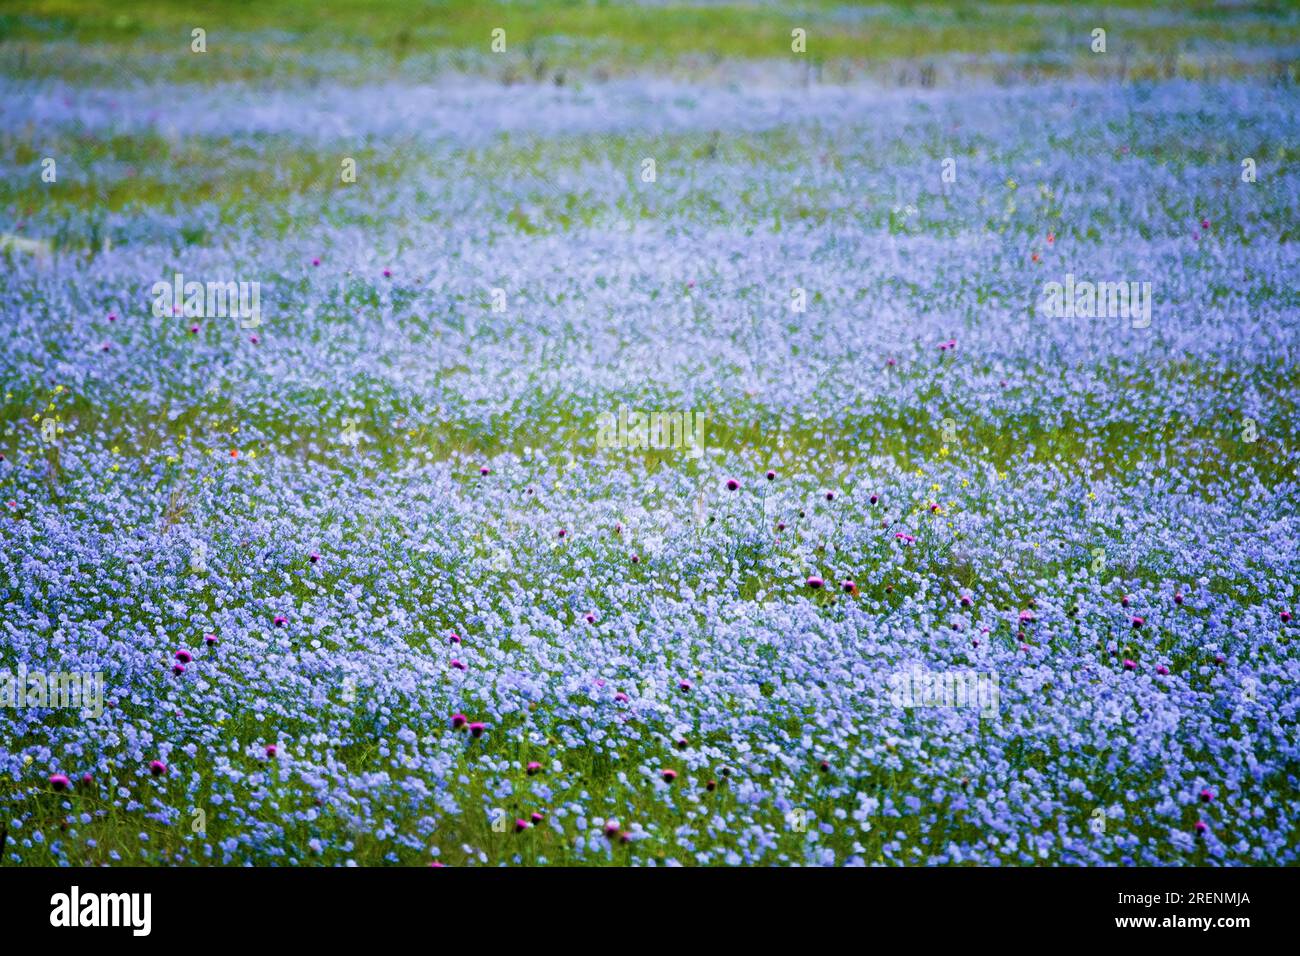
pixel 649 435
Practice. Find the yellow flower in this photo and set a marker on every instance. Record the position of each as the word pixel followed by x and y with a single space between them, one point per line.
pixel 116 450
pixel 27 760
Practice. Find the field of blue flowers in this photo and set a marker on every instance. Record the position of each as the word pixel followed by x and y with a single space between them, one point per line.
pixel 381 564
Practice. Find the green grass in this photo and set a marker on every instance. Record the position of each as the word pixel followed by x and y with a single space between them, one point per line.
pixel 103 39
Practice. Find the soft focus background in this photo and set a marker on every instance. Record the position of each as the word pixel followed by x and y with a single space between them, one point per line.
pixel 309 554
